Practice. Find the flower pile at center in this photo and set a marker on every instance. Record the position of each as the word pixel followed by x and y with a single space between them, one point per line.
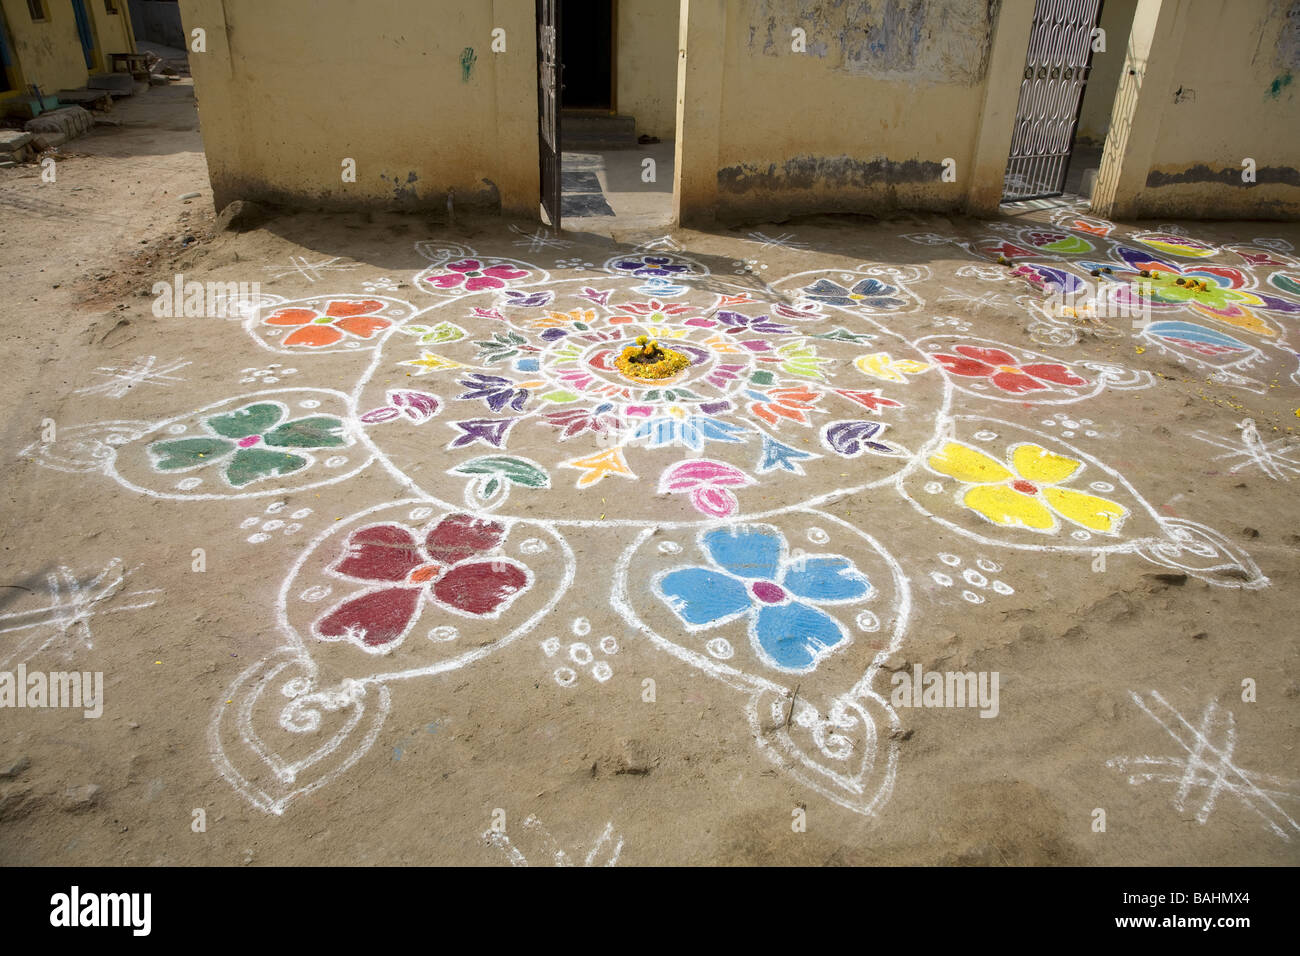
pixel 650 360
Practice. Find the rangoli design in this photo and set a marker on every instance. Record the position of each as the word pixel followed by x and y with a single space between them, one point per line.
pixel 503 403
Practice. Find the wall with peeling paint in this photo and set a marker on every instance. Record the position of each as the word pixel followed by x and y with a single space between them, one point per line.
pixel 411 91
pixel 1234 94
pixel 861 121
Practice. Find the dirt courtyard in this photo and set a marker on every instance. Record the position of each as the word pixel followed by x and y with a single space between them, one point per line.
pixel 918 559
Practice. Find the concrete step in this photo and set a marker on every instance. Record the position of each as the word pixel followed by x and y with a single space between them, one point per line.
pixel 581 129
pixel 122 84
pixel 90 99
pixel 56 127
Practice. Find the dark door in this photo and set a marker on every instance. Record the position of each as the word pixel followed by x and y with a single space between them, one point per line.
pixel 84 32
pixel 587 52
pixel 548 105
pixel 1056 71
pixel 8 65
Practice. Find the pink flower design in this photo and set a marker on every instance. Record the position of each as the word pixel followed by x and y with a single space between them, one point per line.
pixel 707 483
pixel 474 277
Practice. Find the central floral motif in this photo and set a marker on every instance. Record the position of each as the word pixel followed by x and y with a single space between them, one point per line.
pixel 629 390
pixel 455 565
pixel 650 360
pixel 751 574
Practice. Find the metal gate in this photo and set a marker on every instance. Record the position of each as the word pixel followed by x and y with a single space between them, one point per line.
pixel 1056 71
pixel 548 105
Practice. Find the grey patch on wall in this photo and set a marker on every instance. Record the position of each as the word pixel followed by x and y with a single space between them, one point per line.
pixel 1288 40
pixel 1228 176
pixel 404 191
pixel 832 172
pixel 936 41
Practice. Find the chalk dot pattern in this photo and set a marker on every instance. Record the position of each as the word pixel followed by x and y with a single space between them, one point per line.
pixel 288 524
pixel 581 655
pixel 977 578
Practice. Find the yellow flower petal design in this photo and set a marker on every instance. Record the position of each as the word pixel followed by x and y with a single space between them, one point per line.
pixel 663 332
pixel 1036 463
pixel 1096 514
pixel 884 366
pixel 432 362
pixel 1001 504
pixel 968 464
pixel 1242 320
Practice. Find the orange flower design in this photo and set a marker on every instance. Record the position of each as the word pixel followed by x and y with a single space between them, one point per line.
pixel 788 403
pixel 340 319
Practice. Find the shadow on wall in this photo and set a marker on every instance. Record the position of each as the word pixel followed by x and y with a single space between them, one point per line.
pixel 158 22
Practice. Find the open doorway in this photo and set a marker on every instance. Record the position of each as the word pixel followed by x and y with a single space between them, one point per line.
pixel 1109 53
pixel 1057 64
pixel 607 105
pixel 587 44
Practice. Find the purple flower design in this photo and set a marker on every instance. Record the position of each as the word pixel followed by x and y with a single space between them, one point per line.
pixel 852 438
pixel 489 431
pixel 650 266
pixel 737 324
pixel 527 300
pixel 496 391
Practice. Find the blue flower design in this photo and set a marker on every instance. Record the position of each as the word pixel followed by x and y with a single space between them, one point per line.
pixel 752 574
pixel 691 432
pixel 869 292
pixel 660 289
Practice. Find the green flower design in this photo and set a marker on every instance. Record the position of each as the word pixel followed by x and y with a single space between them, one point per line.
pixel 249 441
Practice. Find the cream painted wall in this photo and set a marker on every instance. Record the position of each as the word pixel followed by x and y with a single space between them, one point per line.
pixel 112 30
pixel 284 98
pixel 1099 95
pixel 1221 83
pixel 647 64
pixel 1235 94
pixel 862 121
pixel 48 51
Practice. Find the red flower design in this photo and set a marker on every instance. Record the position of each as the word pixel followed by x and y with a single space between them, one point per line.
pixel 449 569
pixel 1002 370
pixel 321 329
pixel 474 276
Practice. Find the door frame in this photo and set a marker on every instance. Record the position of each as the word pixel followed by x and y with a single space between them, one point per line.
pixel 550 72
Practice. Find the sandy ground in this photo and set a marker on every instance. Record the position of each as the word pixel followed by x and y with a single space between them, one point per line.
pixel 312 729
